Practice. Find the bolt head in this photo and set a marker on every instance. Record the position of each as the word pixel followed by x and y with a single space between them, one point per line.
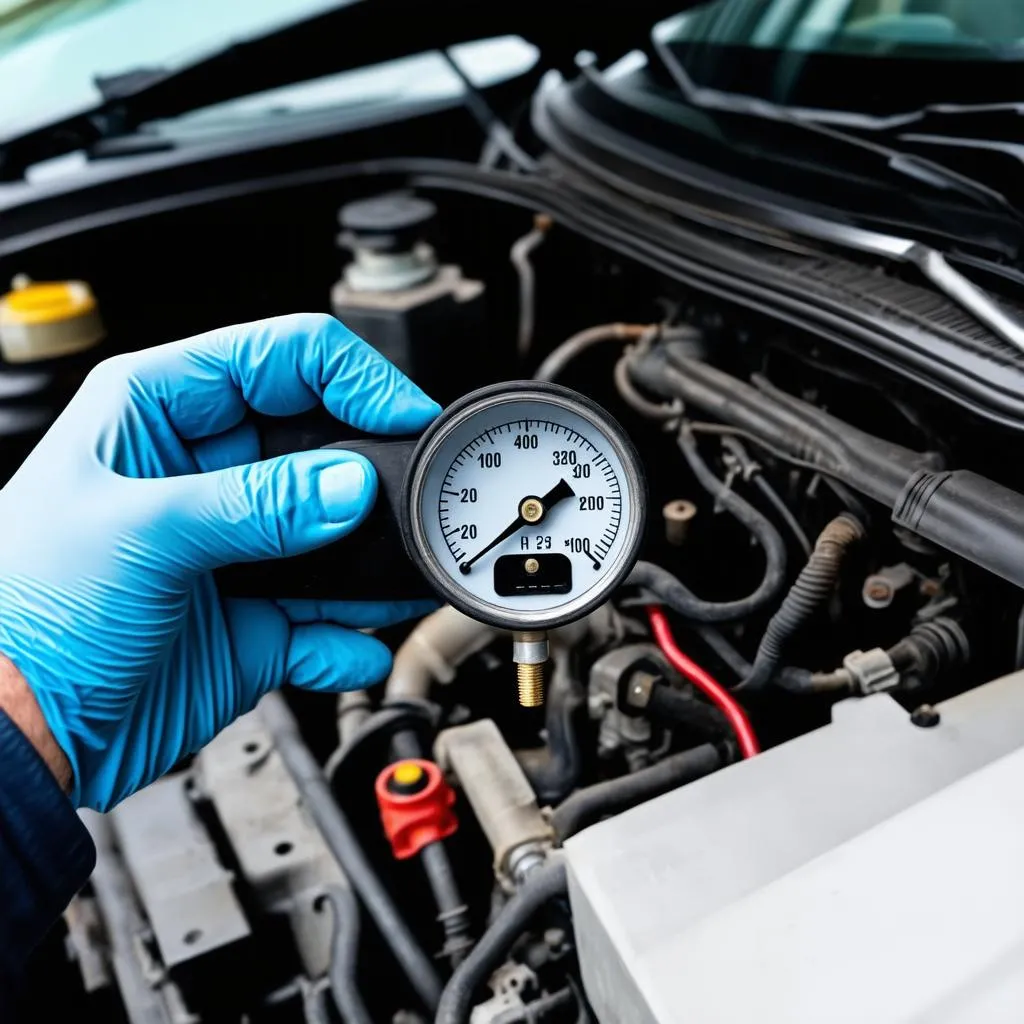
pixel 925 717
pixel 877 592
pixel 532 566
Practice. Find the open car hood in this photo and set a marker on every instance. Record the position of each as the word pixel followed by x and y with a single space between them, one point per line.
pixel 353 34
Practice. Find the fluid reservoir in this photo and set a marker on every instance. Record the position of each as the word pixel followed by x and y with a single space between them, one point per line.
pixel 426 317
pixel 46 329
pixel 42 320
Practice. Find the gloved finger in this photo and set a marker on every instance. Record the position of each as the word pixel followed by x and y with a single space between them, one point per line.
pixel 269 509
pixel 327 658
pixel 319 656
pixel 281 366
pixel 235 447
pixel 357 614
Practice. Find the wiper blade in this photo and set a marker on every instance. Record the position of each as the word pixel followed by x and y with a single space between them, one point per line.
pixel 931 263
pixel 920 169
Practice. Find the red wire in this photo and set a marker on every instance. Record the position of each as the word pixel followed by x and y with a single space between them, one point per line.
pixel 704 682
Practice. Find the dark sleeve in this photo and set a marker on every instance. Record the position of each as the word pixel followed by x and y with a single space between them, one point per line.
pixel 46 854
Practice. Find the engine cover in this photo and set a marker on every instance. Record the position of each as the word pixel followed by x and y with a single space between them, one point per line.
pixel 833 878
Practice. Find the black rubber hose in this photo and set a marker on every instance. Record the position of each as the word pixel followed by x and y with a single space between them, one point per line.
pixel 671 592
pixel 344 955
pixel 344 844
pixel 797 680
pixel 539 889
pixel 813 437
pixel 752 472
pixel 558 776
pixel 452 911
pixel 588 805
pixel 405 745
pixel 810 591
pixel 671 705
pixel 931 648
pixel 723 647
pixel 785 513
pixel 384 724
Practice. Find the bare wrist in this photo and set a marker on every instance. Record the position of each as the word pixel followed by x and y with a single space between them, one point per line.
pixel 21 706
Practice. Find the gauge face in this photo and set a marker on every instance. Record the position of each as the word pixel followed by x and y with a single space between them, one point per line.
pixel 525 505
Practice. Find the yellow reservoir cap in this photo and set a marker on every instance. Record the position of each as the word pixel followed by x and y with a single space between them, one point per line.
pixel 408 773
pixel 47 302
pixel 46 319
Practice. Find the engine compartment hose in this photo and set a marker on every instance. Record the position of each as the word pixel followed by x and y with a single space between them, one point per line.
pixel 802 431
pixel 519 255
pixel 560 357
pixel 722 646
pixel 811 590
pixel 432 653
pixel 760 527
pixel 670 591
pixel 452 911
pixel 344 845
pixel 342 972
pixel 671 705
pixel 705 682
pixel 932 648
pixel 540 888
pixel 589 805
pixel 558 774
pixel 382 724
pixel 353 709
pixel 752 472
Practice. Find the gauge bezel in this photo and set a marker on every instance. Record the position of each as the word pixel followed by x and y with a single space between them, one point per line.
pixel 437 433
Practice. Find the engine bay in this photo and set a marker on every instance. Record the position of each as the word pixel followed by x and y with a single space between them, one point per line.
pixel 828 574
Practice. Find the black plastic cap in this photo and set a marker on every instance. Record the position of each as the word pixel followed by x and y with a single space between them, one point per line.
pixel 390 223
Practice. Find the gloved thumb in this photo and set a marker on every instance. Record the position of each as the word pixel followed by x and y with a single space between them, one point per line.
pixel 269 509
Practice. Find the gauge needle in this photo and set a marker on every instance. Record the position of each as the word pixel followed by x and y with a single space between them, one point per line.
pixel 531 512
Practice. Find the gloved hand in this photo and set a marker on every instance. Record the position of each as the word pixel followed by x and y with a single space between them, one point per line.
pixel 110 531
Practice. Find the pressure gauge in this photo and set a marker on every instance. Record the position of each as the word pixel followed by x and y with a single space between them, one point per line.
pixel 524 507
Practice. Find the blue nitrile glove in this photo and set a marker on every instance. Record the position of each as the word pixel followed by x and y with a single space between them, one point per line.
pixel 148 481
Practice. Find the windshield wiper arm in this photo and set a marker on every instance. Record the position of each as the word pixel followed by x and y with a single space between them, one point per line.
pixel 917 168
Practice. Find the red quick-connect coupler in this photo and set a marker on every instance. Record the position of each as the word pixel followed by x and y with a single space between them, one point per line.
pixel 415 806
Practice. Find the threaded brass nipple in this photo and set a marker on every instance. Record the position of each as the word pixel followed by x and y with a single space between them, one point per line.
pixel 531 685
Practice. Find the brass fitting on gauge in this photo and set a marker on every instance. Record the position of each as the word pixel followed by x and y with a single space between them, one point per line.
pixel 530 652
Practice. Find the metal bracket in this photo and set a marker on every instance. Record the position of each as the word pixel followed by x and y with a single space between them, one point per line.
pixel 280 852
pixel 186 892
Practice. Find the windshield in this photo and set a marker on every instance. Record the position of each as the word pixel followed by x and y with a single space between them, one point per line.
pixel 936 29
pixel 873 56
pixel 51 51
